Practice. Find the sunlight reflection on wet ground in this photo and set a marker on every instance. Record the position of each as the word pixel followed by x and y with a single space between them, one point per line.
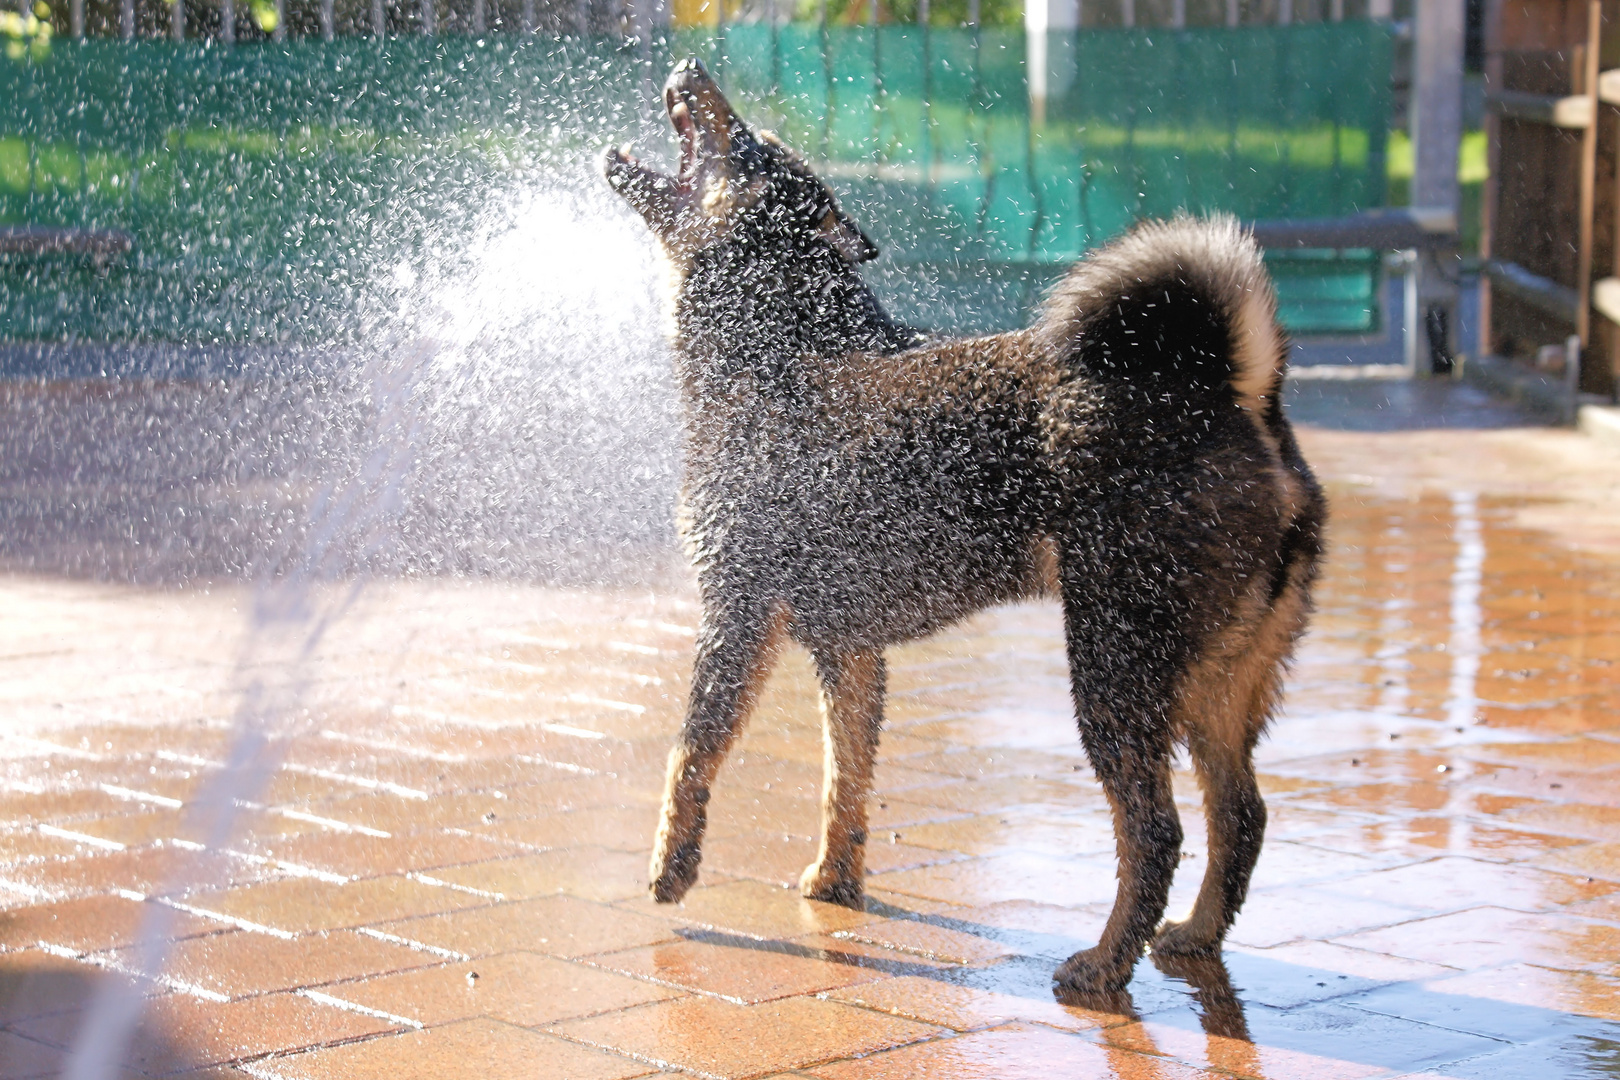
pixel 447 876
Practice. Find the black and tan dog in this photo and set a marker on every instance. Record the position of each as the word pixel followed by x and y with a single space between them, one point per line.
pixel 851 484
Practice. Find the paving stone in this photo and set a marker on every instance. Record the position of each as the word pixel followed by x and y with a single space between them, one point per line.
pixel 25 1059
pixel 556 925
pixel 929 940
pixel 481 1048
pixel 1006 1053
pixel 754 909
pixel 92 924
pixel 30 845
pixel 179 1032
pixel 358 855
pixel 35 984
pixel 964 1008
pixel 734 1042
pixel 1490 937
pixel 585 872
pixel 242 963
pixel 303 905
pixel 520 988
pixel 740 969
pixel 155 871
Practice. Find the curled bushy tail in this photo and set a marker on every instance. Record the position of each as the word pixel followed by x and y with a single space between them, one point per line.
pixel 1182 306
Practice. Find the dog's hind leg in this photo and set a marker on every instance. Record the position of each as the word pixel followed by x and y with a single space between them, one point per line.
pixel 1226 702
pixel 1125 717
pixel 735 650
pixel 852 716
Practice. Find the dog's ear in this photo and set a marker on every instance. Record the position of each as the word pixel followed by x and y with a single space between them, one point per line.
pixel 835 227
pixel 846 237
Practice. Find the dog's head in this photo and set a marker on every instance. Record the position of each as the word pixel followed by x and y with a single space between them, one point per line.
pixel 734 185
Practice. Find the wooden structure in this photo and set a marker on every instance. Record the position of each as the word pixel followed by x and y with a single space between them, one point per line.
pixel 1552 264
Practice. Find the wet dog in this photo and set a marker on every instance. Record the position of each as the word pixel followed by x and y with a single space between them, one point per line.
pixel 851 484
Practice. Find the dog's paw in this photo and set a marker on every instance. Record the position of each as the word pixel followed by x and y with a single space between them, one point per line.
pixel 1093 971
pixel 1184 939
pixel 832 888
pixel 672 873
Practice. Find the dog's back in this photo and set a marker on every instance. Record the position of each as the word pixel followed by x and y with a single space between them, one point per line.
pixel 887 494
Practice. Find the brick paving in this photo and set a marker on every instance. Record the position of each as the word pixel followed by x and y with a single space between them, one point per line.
pixel 446 877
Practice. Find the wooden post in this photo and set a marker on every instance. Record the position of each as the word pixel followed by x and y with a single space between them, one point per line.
pixel 379 19
pixel 526 17
pixel 430 17
pixel 1589 138
pixel 1437 66
pixel 1127 12
pixel 328 17
pixel 126 19
pixel 1233 15
pixel 1178 14
pixel 480 19
pixel 177 19
pixel 1493 166
pixel 227 21
pixel 76 19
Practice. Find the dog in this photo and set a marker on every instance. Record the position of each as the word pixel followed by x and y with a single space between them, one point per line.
pixel 852 483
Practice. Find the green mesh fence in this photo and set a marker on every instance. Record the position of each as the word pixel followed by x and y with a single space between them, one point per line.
pixel 266 185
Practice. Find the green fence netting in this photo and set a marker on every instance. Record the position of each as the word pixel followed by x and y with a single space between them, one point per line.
pixel 267 185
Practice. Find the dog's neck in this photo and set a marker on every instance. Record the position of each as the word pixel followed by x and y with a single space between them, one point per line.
pixel 752 315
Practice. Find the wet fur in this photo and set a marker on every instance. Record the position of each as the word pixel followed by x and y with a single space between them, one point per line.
pixel 851 485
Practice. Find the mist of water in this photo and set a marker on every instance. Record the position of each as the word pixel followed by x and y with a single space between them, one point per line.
pixel 509 414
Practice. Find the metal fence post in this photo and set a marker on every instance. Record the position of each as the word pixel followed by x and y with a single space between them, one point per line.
pixel 1437 64
pixel 526 17
pixel 227 21
pixel 76 19
pixel 177 19
pixel 430 18
pixel 126 19
pixel 1048 24
pixel 280 32
pixel 480 19
pixel 379 19
pixel 328 17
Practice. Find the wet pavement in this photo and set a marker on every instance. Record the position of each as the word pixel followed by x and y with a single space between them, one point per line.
pixel 446 876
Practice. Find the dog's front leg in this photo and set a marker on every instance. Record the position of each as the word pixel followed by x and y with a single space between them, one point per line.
pixel 852 716
pixel 735 648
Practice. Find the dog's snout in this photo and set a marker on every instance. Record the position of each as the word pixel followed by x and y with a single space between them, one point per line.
pixel 690 77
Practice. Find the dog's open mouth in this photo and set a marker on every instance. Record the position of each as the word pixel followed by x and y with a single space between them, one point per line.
pixel 701 118
pixel 680 115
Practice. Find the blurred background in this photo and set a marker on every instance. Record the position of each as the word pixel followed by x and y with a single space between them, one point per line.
pixel 344 627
